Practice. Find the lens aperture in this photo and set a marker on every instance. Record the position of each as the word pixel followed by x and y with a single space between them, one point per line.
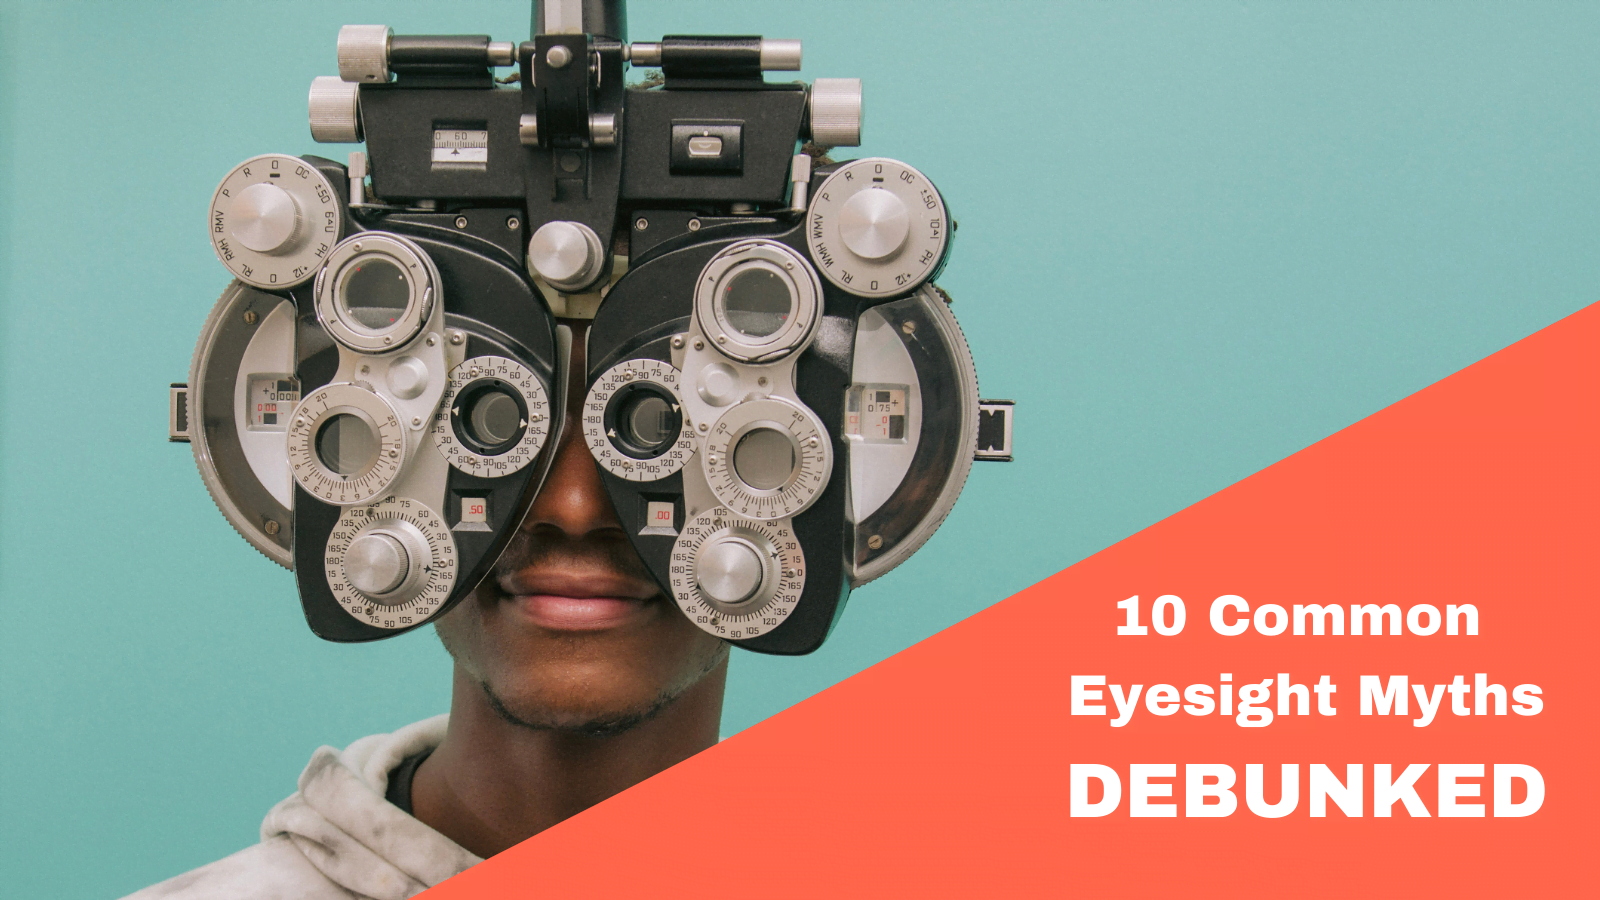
pixel 347 445
pixel 375 292
pixel 643 420
pixel 764 459
pixel 494 418
pixel 756 301
pixel 489 417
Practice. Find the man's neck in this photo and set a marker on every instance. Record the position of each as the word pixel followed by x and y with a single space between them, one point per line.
pixel 493 783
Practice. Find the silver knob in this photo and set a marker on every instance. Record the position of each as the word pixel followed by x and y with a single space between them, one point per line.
pixel 780 55
pixel 729 570
pixel 265 218
pixel 335 111
pixel 364 52
pixel 835 105
pixel 376 563
pixel 874 224
pixel 565 254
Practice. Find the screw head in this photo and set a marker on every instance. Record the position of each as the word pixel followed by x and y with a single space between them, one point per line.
pixel 694 224
pixel 461 221
pixel 456 338
pixel 557 57
pixel 250 317
pixel 699 344
pixel 641 224
pixel 701 426
pixel 908 326
pixel 513 223
pixel 271 527
pixel 416 420
pixel 677 343
pixel 432 340
pixel 762 381
pixel 875 542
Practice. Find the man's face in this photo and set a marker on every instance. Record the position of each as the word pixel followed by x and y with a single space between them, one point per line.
pixel 569 631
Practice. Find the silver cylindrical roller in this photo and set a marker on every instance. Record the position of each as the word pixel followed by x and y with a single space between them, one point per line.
pixel 266 219
pixel 376 563
pixel 335 110
pixel 729 569
pixel 780 55
pixel 835 106
pixel 568 255
pixel 364 53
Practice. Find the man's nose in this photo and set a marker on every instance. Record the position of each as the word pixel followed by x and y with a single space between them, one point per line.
pixel 573 498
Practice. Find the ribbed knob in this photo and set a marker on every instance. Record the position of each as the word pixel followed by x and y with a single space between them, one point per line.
pixel 265 218
pixel 335 111
pixel 376 564
pixel 874 224
pixel 364 52
pixel 728 570
pixel 565 254
pixel 836 112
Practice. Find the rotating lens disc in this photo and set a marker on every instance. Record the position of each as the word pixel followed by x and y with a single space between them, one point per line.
pixel 345 444
pixel 737 577
pixel 767 459
pixel 493 418
pixel 274 219
pixel 634 422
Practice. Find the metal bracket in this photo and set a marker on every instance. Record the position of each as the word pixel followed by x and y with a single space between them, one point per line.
pixel 994 430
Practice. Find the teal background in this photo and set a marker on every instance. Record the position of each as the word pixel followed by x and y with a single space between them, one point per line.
pixel 1195 238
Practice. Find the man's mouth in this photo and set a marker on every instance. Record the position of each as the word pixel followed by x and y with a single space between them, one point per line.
pixel 577 601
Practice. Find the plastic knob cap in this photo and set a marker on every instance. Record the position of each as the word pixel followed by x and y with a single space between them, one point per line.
pixel 376 564
pixel 565 254
pixel 874 224
pixel 729 571
pixel 265 218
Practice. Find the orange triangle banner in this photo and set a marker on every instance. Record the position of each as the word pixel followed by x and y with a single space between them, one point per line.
pixel 1249 742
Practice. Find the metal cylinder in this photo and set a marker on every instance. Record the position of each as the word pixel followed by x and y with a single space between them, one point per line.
pixel 835 108
pixel 364 53
pixel 335 110
pixel 780 55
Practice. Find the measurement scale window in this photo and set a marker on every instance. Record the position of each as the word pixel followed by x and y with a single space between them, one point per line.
pixel 460 148
pixel 876 413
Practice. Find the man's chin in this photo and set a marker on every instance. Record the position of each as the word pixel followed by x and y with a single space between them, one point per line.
pixel 591 720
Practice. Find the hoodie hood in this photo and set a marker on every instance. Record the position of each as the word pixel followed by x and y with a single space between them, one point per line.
pixel 358 840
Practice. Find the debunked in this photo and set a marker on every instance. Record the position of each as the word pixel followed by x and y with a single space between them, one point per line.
pixel 1209 790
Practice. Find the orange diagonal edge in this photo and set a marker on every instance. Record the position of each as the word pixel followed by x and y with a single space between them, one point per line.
pixel 943 771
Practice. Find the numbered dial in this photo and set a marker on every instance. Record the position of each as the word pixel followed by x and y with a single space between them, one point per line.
pixel 767 459
pixel 274 219
pixel 633 421
pixel 877 228
pixel 345 444
pixel 391 564
pixel 737 577
pixel 494 417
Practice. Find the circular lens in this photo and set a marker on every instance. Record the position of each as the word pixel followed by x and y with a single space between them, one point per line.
pixel 756 301
pixel 643 420
pixel 347 445
pixel 494 418
pixel 764 459
pixel 648 419
pixel 489 417
pixel 375 292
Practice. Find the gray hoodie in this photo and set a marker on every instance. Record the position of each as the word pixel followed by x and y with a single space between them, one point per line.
pixel 336 838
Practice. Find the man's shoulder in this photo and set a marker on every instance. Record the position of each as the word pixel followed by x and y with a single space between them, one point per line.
pixel 272 870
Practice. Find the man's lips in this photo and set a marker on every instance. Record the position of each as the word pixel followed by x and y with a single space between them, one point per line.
pixel 578 601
